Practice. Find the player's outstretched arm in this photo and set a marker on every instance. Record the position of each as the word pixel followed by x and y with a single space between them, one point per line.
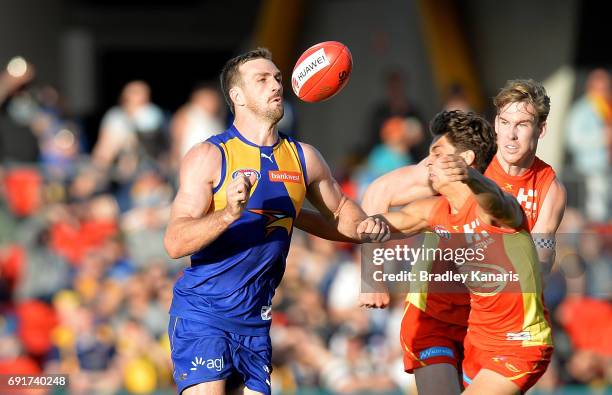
pixel 397 188
pixel 495 204
pixel 192 225
pixel 314 222
pixel 411 219
pixel 548 222
pixel 341 213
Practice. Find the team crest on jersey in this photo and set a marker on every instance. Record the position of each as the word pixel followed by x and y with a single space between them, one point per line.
pixel 247 173
pixel 442 232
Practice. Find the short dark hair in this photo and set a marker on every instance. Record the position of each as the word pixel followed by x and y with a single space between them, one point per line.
pixel 467 131
pixel 525 91
pixel 230 75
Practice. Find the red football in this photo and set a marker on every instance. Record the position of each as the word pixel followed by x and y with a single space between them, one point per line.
pixel 322 71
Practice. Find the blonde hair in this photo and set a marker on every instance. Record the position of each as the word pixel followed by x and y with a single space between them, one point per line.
pixel 524 91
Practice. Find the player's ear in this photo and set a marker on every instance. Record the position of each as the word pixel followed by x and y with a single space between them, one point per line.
pixel 469 156
pixel 543 128
pixel 237 96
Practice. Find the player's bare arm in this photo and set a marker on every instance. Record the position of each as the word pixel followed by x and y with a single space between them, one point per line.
pixel 315 223
pixel 495 205
pixel 549 219
pixel 193 225
pixel 397 188
pixel 411 219
pixel 340 213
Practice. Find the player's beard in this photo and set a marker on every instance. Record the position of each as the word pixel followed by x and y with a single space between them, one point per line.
pixel 273 115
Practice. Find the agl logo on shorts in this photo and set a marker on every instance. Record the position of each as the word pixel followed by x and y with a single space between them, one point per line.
pixel 213 363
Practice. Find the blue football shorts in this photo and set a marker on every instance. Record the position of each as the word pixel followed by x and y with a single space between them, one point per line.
pixel 201 353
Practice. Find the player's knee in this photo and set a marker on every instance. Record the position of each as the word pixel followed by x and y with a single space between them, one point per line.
pixel 208 388
pixel 493 383
pixel 439 379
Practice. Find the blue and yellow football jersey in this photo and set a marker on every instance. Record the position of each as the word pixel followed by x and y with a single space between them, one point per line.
pixel 231 282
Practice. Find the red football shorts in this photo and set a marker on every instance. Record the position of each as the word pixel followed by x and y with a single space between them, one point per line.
pixel 428 341
pixel 522 365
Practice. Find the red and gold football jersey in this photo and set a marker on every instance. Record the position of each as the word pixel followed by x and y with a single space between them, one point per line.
pixel 530 188
pixel 506 304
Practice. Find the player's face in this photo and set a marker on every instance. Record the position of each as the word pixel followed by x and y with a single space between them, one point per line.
pixel 517 132
pixel 263 89
pixel 439 148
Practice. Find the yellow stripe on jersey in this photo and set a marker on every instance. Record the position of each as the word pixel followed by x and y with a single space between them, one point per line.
pixel 239 155
pixel 524 259
pixel 417 295
pixel 287 159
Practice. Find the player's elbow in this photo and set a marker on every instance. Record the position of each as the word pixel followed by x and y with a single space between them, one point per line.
pixel 375 199
pixel 171 246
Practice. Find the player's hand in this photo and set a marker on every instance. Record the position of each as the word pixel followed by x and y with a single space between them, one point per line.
pixel 378 300
pixel 373 230
pixel 238 192
pixel 451 168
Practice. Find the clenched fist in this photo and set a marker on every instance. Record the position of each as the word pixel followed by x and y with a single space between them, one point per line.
pixel 373 230
pixel 238 192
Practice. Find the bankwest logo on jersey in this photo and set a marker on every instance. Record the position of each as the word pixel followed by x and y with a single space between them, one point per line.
pixel 285 176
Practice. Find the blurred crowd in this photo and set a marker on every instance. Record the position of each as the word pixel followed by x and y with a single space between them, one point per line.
pixel 85 284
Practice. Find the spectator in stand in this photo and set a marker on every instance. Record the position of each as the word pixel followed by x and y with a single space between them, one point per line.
pixel 197 120
pixel 58 135
pixel 17 140
pixel 456 98
pixel 589 137
pixel 395 104
pixel 398 136
pixel 131 131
